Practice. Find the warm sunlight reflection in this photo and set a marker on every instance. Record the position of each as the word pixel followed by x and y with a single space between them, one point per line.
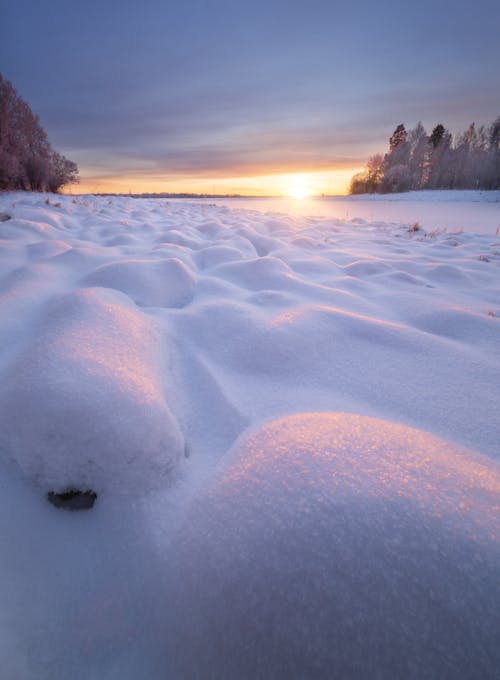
pixel 90 343
pixel 349 456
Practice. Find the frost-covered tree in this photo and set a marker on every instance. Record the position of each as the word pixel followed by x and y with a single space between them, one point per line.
pixel 437 135
pixel 368 181
pixel 62 172
pixel 10 143
pixel 464 147
pixel 416 161
pixel 398 148
pixel 398 138
pixel 396 179
pixel 494 135
pixel 441 159
pixel 396 169
pixel 494 149
pixel 419 157
pixel 27 160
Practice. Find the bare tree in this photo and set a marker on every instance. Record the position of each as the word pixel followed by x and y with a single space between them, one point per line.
pixel 368 181
pixel 27 160
pixel 63 171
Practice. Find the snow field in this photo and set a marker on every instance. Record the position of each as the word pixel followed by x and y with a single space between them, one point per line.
pixel 471 211
pixel 141 338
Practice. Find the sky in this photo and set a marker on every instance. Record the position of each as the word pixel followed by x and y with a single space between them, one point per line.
pixel 255 97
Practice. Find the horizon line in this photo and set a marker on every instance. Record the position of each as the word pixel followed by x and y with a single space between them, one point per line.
pixel 190 194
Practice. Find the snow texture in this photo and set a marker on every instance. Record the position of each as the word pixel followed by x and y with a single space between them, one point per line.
pixel 339 546
pixel 351 531
pixel 77 402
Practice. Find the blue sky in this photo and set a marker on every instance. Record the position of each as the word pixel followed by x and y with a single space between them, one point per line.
pixel 204 91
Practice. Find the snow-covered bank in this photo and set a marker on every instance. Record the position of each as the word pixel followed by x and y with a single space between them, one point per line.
pixel 141 338
pixel 472 211
pixel 434 196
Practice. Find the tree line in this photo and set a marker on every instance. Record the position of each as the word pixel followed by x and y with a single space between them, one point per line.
pixel 27 160
pixel 416 160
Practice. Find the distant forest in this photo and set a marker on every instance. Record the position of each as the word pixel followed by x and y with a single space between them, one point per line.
pixel 416 160
pixel 27 160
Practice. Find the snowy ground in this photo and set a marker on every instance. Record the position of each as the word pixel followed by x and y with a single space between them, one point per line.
pixel 471 211
pixel 293 428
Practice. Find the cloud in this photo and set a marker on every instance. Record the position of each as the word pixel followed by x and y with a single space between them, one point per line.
pixel 215 87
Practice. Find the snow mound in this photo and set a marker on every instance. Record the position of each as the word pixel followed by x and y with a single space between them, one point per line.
pixel 161 283
pixel 339 546
pixel 214 255
pixel 257 274
pixel 77 403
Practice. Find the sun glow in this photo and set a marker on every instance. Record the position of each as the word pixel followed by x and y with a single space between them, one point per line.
pixel 293 185
pixel 299 192
pixel 299 186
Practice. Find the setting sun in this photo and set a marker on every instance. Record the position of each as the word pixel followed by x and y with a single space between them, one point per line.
pixel 287 184
pixel 298 186
pixel 299 192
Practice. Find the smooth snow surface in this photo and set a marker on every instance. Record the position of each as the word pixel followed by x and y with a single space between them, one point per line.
pixel 141 338
pixel 77 400
pixel 339 546
pixel 471 211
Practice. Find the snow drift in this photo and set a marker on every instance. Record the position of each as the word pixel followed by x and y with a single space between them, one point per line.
pixel 334 545
pixel 351 530
pixel 77 402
